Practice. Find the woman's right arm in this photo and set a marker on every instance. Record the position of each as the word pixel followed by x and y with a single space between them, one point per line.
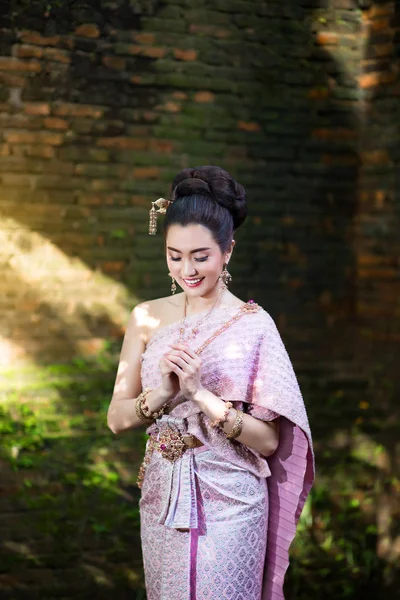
pixel 121 412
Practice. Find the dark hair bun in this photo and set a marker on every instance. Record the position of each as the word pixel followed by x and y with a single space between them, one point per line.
pixel 215 183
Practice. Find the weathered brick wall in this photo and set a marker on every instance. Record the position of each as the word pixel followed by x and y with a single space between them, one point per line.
pixel 102 103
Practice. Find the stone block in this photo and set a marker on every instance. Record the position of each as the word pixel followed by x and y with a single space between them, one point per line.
pixel 37 108
pixel 88 30
pixel 66 109
pixel 57 55
pixel 33 137
pixel 8 63
pixel 204 97
pixel 35 38
pixel 40 151
pixel 55 123
pixel 187 55
pixel 114 62
pixel 122 143
pixel 27 51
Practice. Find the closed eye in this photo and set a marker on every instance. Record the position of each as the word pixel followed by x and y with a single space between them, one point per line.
pixel 196 259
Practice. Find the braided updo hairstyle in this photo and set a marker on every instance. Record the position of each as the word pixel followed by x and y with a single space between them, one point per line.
pixel 207 196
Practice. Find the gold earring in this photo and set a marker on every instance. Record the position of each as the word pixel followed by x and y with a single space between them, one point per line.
pixel 173 284
pixel 225 276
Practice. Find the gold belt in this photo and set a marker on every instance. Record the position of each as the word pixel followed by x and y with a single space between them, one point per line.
pixel 171 444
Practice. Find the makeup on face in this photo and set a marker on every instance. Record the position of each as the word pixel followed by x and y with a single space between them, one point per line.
pixel 194 258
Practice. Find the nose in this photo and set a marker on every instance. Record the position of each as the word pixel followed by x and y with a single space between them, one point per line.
pixel 188 269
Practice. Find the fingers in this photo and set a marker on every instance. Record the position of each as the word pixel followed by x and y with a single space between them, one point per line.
pixel 173 367
pixel 185 363
pixel 183 348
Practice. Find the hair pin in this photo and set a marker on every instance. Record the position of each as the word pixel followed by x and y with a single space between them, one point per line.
pixel 159 206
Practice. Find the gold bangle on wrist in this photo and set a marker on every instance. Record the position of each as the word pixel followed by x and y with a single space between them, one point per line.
pixel 237 426
pixel 139 406
pixel 143 411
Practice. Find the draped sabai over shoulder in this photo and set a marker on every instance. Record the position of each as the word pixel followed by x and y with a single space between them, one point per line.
pixel 218 522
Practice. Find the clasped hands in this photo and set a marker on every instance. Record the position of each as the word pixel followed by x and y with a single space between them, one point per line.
pixel 184 363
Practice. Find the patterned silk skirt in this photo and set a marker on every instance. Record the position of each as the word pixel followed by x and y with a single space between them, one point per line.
pixel 203 528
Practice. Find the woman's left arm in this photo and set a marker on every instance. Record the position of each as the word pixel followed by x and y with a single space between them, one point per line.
pixel 259 435
pixel 262 436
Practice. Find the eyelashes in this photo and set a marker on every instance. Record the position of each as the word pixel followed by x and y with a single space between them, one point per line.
pixel 196 259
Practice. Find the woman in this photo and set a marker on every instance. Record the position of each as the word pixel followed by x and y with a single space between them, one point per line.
pixel 229 461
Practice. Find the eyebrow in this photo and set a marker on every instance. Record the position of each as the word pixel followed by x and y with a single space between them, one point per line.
pixel 191 252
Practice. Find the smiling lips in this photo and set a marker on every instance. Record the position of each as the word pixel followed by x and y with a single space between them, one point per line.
pixel 193 282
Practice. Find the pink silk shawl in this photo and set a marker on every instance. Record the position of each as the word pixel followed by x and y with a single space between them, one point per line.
pixel 249 365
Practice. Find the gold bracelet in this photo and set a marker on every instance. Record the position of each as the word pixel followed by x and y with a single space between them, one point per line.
pixel 143 411
pixel 237 426
pixel 138 406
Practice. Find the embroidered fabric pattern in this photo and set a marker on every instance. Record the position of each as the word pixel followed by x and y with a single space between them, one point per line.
pixel 246 364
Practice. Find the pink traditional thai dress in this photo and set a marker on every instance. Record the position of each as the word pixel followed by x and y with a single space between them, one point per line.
pixel 238 509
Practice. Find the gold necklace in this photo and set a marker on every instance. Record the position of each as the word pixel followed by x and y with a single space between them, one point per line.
pixel 195 330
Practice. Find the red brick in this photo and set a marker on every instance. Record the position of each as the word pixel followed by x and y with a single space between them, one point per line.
pixel 375 157
pixel 146 173
pixel 11 80
pixel 376 79
pixel 380 10
pixel 248 126
pixel 90 200
pixel 63 109
pixel 339 133
pixel 32 37
pixel 205 29
pixel 41 151
pixel 223 34
pixel 171 107
pixel 17 179
pixel 150 116
pixel 37 108
pixel 181 54
pixel 144 38
pixel 15 64
pixel 161 146
pixel 123 143
pixel 55 123
pixel 33 137
pixel 204 97
pixel 27 51
pixel 178 95
pixel 326 38
pixel 153 52
pixel 61 56
pixel 114 62
pixel 87 30
pixel 380 24
pixel 382 50
pixel 318 93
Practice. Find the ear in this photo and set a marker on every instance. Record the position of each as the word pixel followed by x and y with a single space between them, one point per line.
pixel 228 254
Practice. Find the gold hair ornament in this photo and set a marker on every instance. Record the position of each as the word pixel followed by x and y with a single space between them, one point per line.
pixel 162 205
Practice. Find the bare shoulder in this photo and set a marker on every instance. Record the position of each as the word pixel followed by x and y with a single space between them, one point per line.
pixel 151 315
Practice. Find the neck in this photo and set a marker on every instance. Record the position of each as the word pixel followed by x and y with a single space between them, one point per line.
pixel 195 305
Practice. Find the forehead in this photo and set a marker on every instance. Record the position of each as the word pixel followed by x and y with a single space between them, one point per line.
pixel 189 237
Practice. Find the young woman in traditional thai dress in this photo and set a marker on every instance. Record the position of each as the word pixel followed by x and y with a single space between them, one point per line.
pixel 229 461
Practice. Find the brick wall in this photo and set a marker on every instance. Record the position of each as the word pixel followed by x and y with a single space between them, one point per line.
pixel 102 104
